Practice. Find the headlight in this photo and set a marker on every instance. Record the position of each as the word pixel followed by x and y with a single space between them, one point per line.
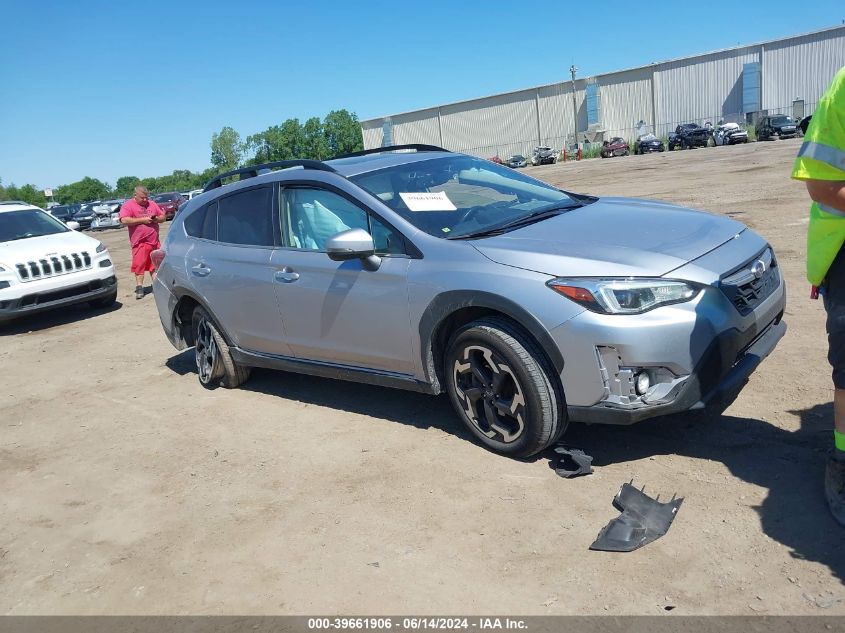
pixel 2 270
pixel 623 296
pixel 101 247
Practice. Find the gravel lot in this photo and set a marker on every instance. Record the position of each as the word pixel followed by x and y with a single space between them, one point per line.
pixel 127 488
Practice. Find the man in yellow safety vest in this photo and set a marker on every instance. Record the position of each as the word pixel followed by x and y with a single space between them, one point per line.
pixel 821 164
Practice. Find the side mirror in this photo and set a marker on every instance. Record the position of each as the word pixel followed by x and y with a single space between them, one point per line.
pixel 73 226
pixel 353 244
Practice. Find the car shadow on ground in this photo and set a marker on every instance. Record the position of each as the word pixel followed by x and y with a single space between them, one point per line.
pixel 53 318
pixel 788 464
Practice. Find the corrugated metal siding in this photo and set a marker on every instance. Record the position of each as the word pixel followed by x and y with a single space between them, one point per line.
pixel 707 88
pixel 491 125
pixel 372 131
pixel 801 67
pixel 555 114
pixel 624 100
pixel 417 127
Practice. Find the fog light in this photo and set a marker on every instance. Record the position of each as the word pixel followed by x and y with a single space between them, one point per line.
pixel 643 382
pixel 105 263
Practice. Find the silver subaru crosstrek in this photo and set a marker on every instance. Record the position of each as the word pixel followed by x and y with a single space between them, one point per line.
pixel 418 268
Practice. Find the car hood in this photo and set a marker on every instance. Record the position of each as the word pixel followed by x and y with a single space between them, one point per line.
pixel 37 247
pixel 612 237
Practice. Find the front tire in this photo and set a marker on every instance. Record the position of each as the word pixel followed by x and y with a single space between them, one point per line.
pixel 501 386
pixel 215 366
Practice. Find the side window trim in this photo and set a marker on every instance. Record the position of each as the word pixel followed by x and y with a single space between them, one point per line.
pixel 319 186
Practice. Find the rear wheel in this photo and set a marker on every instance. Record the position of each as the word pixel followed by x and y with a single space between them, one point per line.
pixel 215 366
pixel 501 386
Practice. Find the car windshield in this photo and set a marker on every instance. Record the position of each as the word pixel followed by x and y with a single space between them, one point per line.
pixel 165 197
pixel 781 120
pixel 457 196
pixel 648 137
pixel 517 157
pixel 19 225
pixel 689 126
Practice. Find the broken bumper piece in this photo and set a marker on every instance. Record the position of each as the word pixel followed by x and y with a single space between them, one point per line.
pixel 642 521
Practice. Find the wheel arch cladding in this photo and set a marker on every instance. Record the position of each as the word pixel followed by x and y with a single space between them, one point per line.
pixel 183 314
pixel 450 310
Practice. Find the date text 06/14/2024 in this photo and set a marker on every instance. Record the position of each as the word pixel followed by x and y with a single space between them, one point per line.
pixel 416 623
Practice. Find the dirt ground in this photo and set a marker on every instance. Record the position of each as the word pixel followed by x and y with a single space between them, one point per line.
pixel 127 488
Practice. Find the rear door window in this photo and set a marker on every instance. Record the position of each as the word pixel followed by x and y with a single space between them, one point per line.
pixel 202 223
pixel 246 218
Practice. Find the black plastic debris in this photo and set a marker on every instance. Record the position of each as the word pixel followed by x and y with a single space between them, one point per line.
pixel 573 462
pixel 642 521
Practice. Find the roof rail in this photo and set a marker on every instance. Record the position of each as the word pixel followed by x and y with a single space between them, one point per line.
pixel 254 170
pixel 377 150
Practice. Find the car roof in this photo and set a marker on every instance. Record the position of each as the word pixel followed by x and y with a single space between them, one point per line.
pixel 355 165
pixel 16 205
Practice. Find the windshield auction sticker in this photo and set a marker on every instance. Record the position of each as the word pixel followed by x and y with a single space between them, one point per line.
pixel 425 201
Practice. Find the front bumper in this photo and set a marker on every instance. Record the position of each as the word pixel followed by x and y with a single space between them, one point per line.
pixel 43 300
pixel 695 353
pixel 718 378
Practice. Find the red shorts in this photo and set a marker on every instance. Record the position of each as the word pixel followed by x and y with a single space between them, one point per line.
pixel 141 261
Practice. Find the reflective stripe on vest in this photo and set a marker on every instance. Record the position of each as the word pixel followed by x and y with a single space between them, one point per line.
pixel 824 154
pixel 831 210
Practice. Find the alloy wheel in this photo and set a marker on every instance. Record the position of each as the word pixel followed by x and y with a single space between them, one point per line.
pixel 207 354
pixel 491 395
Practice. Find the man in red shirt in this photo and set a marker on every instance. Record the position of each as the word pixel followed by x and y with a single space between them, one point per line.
pixel 142 216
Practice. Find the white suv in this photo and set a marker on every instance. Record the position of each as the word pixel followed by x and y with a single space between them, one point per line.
pixel 45 264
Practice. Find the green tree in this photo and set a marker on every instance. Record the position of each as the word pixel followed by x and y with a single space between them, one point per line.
pixel 27 193
pixel 125 186
pixel 226 149
pixel 277 142
pixel 315 144
pixel 84 190
pixel 343 132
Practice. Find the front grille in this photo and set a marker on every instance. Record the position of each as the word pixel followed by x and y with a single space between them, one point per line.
pixel 52 266
pixel 745 289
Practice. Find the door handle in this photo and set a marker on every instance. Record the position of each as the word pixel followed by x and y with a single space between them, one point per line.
pixel 201 270
pixel 286 275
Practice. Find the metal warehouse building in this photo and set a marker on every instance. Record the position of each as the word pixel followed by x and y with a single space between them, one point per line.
pixel 785 76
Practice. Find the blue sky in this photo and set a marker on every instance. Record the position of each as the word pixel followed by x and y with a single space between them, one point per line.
pixel 110 89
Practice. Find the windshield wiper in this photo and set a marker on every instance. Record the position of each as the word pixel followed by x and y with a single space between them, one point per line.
pixel 525 220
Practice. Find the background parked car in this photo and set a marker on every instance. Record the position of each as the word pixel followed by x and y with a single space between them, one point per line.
pixel 107 215
pixel 169 203
pixel 544 155
pixel 496 159
pixel 86 214
pixel 778 125
pixel 648 143
pixel 617 146
pixel 64 212
pixel 689 135
pixel 804 124
pixel 517 160
pixel 729 134
pixel 190 194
